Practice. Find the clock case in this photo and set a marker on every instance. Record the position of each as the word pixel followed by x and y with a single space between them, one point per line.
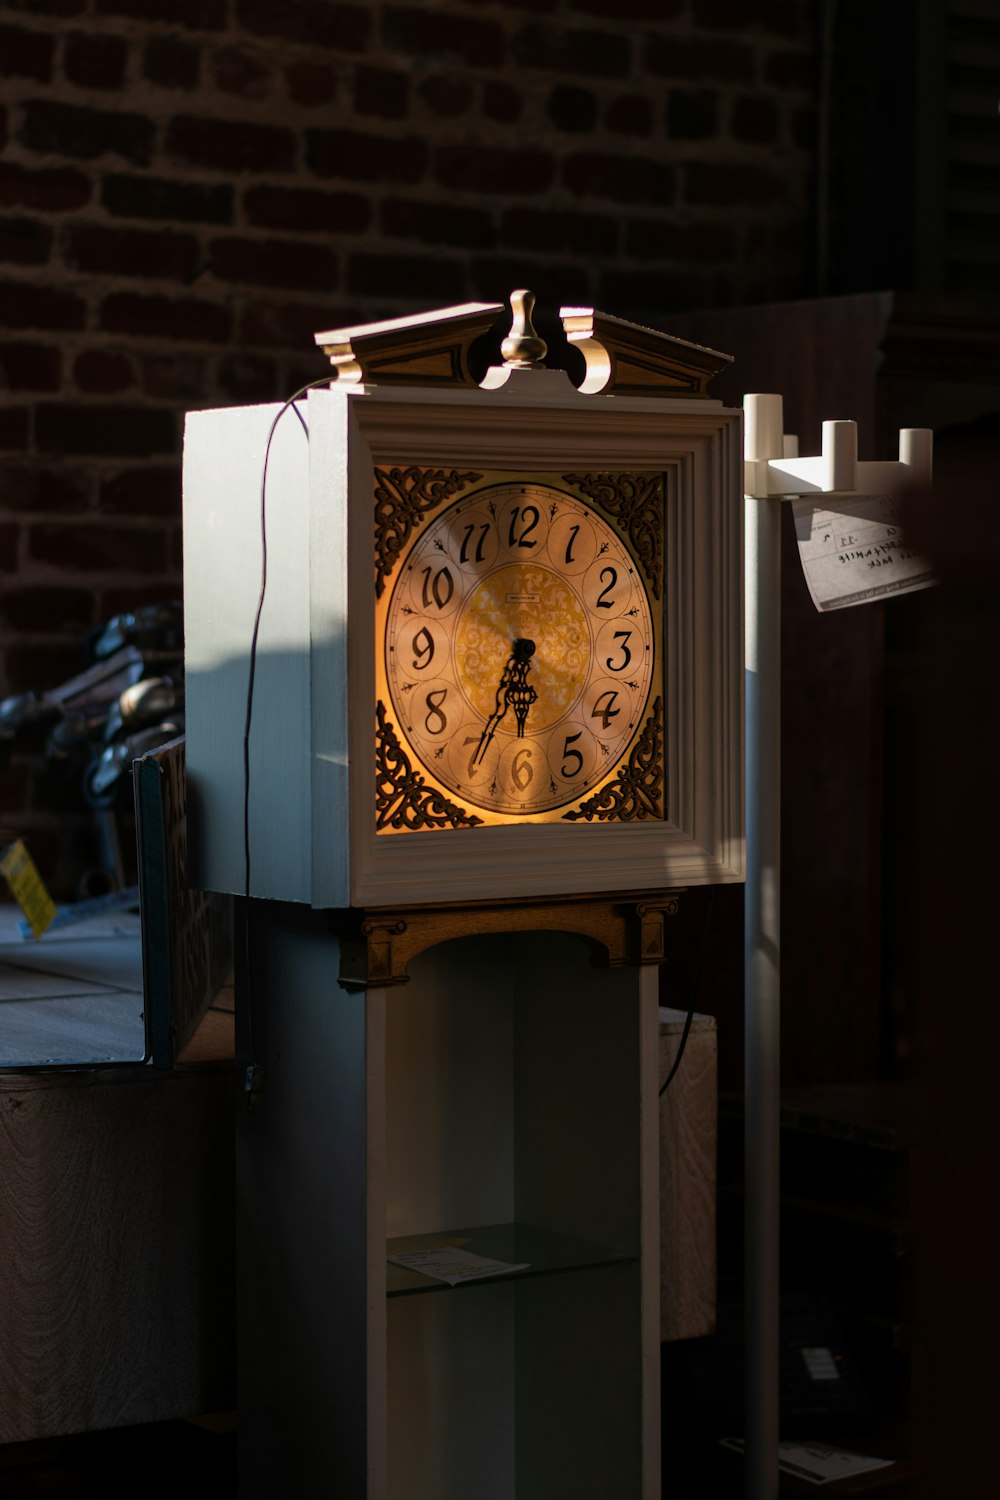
pixel 313 773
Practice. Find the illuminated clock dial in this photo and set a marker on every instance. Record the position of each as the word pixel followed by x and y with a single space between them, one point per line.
pixel 519 649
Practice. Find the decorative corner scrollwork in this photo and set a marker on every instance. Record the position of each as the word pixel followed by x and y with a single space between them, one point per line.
pixel 636 792
pixel 403 496
pixel 402 797
pixel 635 501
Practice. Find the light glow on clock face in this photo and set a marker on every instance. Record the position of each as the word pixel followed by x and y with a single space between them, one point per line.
pixel 519 650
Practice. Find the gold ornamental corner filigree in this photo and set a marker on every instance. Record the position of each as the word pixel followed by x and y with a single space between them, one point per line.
pixel 403 496
pixel 636 792
pixel 402 797
pixel 635 501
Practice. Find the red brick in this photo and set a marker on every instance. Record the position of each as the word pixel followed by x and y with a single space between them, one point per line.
pixel 629 114
pixel 74 130
pixel 27 306
pixel 692 114
pixel 448 225
pixel 26 54
pixel 248 377
pixel 172 63
pixel 783 17
pixel 49 7
pixel 143 491
pixel 630 10
pixel 95 62
pixel 188 318
pixel 306 210
pixel 243 73
pixel 486 169
pixel 30 367
pixel 754 119
pixel 9 536
pixel 181 377
pixel 132 252
pixel 501 102
pixel 98 548
pixel 316 23
pixel 103 372
pixel 447 95
pixel 572 108
pixel 381 91
pixel 730 182
pixel 555 284
pixel 159 198
pixel 281 263
pixel 231 145
pixel 598 54
pixel 624 179
pixel 118 431
pixel 194 15
pixel 310 83
pixel 406 276
pixel 46 609
pixel 655 239
pixel 647 294
pixel 14 428
pixel 418 32
pixel 53 188
pixel 691 58
pixel 36 489
pixel 790 70
pixel 24 242
pixel 553 232
pixel 366 158
pixel 291 325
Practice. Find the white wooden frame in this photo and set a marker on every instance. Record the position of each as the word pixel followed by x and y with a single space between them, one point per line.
pixel 312 792
pixel 541 424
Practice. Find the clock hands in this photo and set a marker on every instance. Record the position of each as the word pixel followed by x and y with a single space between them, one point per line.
pixel 513 691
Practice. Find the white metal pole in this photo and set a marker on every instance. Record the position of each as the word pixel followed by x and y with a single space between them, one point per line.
pixel 762 933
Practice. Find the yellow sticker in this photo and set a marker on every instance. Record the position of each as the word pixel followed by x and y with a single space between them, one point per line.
pixel 27 887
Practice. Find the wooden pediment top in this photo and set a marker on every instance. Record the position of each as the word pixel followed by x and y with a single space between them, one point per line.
pixel 625 359
pixel 427 349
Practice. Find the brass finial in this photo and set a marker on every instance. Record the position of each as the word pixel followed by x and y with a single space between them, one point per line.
pixel 522 349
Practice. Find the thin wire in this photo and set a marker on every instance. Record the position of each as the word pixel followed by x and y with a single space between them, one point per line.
pixel 694 993
pixel 251 675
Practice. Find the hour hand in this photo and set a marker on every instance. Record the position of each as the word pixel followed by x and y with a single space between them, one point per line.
pixel 485 738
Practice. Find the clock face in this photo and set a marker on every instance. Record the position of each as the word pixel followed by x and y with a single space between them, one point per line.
pixel 519 649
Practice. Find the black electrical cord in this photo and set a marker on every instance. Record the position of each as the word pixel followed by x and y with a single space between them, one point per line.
pixel 251 1071
pixel 694 993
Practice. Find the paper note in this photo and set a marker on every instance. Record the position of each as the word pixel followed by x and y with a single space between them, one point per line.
pixel 815 1462
pixel 453 1266
pixel 852 550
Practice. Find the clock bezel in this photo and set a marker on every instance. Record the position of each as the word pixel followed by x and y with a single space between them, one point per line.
pixel 548 425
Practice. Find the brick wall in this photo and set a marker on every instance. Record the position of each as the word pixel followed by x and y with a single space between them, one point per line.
pixel 190 188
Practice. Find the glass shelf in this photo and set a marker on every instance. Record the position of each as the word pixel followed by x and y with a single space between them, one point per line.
pixel 546 1255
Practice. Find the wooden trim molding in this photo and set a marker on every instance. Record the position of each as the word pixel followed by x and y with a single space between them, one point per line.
pixel 377 946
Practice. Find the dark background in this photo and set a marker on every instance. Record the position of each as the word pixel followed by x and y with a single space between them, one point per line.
pixel 190 189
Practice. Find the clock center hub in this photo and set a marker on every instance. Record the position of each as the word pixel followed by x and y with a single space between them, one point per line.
pixel 526 601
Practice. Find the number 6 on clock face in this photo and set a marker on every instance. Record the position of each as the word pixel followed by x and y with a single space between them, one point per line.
pixel 520 650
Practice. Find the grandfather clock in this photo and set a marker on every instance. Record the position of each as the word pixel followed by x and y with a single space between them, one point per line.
pixel 479 727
